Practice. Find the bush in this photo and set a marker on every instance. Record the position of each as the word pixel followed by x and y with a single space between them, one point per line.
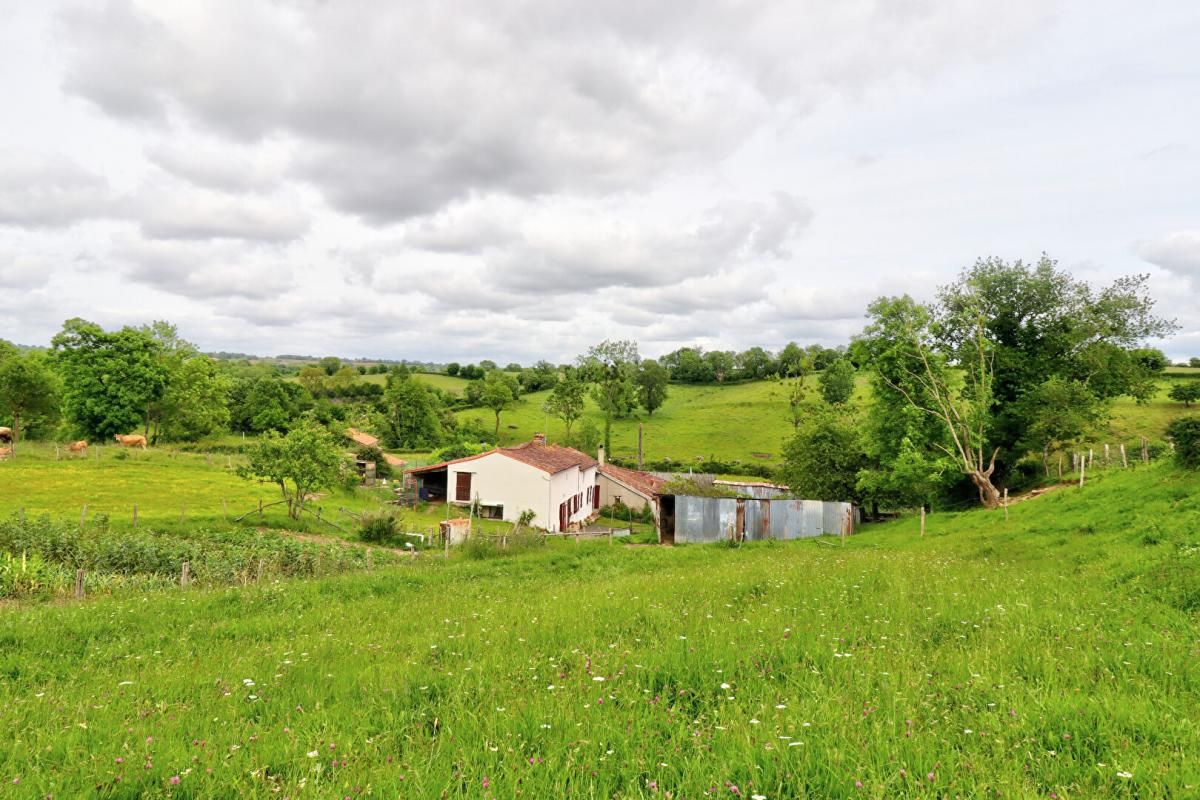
pixel 1185 433
pixel 377 527
pixel 372 452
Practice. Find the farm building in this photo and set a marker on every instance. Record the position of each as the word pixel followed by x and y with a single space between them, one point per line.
pixel 558 484
pixel 759 490
pixel 687 519
pixel 630 487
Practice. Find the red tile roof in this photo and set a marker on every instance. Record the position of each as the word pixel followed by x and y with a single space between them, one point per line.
pixel 547 457
pixel 642 482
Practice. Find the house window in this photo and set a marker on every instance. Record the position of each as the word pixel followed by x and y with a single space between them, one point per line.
pixel 462 487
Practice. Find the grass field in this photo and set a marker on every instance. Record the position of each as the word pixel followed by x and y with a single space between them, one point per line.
pixel 1050 656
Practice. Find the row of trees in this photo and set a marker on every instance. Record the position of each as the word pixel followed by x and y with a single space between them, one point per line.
pixel 694 365
pixel 1011 359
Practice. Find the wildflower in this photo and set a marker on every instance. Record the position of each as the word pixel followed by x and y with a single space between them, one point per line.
pixel 903 773
pixel 931 777
pixel 858 784
pixel 598 678
pixel 120 760
pixel 724 685
pixel 175 780
pixel 1124 774
pixel 486 782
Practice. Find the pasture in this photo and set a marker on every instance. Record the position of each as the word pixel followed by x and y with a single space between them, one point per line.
pixel 1050 655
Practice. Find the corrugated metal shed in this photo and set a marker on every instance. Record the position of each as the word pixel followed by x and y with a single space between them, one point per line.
pixel 714 519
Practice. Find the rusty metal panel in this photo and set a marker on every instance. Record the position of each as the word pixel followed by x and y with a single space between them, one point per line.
pixel 758 520
pixel 712 519
pixel 837 517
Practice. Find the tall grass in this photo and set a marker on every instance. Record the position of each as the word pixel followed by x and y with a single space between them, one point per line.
pixel 1050 656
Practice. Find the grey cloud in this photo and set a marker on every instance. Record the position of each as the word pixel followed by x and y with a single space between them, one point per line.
pixel 39 190
pixel 216 166
pixel 201 214
pixel 209 271
pixel 434 108
pixel 1177 252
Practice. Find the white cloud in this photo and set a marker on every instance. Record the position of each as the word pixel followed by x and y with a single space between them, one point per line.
pixel 1177 252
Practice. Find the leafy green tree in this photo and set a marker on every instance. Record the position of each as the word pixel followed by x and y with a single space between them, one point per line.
pixel 566 400
pixel 313 379
pixel 499 393
pixel 755 364
pixel 452 368
pixel 793 361
pixel 305 460
pixel 110 380
pixel 1185 433
pixel 687 365
pixel 265 404
pixel 901 341
pixel 651 385
pixel 1186 392
pixel 720 363
pixel 823 458
pixel 1041 322
pixel 1059 412
pixel 487 365
pixel 196 403
pixel 27 389
pixel 1194 362
pixel 542 375
pixel 611 366
pixel 411 415
pixel 339 383
pixel 837 382
pixel 330 364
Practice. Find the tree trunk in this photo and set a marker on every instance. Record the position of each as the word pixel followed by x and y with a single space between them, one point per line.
pixel 989 495
pixel 497 427
pixel 16 433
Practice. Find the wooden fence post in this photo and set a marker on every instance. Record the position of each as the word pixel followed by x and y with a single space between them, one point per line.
pixel 185 576
pixel 82 517
pixel 260 514
pixel 182 513
pixel 1124 460
pixel 78 584
pixel 135 516
pixel 1106 458
pixel 1006 504
pixel 1060 465
pixel 922 519
pixel 1091 457
pixel 1145 450
pixel 1082 470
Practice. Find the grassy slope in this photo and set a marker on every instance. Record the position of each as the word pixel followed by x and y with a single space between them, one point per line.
pixel 166 484
pixel 1052 653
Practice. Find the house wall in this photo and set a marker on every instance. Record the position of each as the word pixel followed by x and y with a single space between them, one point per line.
pixel 498 480
pixel 502 481
pixel 566 485
pixel 610 490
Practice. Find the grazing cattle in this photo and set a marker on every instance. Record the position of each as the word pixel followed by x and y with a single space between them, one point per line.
pixel 132 440
pixel 5 434
pixel 78 447
pixel 5 452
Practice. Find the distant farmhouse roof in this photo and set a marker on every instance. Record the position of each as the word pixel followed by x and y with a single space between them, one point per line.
pixel 358 437
pixel 641 482
pixel 549 458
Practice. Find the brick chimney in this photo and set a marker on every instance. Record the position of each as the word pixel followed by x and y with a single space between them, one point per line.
pixel 539 438
pixel 600 455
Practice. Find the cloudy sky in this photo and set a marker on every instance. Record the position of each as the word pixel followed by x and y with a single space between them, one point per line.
pixel 515 180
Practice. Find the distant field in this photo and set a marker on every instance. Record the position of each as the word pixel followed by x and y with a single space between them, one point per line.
pixel 172 488
pixel 1049 656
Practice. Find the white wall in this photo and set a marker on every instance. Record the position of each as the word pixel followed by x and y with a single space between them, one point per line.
pixel 498 480
pixel 502 481
pixel 569 483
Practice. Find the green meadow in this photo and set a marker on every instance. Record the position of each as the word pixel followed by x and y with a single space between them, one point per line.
pixel 1052 654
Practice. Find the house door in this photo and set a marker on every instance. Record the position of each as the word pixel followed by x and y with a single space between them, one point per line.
pixel 562 516
pixel 462 487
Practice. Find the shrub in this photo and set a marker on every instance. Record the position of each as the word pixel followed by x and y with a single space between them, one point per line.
pixel 372 452
pixel 1185 433
pixel 377 527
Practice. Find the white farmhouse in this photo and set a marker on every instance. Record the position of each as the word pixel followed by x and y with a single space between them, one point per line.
pixel 558 484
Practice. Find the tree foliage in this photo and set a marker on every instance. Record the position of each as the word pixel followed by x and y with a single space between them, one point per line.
pixel 411 418
pixel 196 401
pixel 1186 392
pixel 837 382
pixel 303 461
pixel 27 389
pixel 566 400
pixel 612 367
pixel 823 458
pixel 499 392
pixel 1185 433
pixel 651 385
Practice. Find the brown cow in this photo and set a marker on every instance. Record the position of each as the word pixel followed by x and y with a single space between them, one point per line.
pixel 132 440
pixel 78 447
pixel 5 434
pixel 5 452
